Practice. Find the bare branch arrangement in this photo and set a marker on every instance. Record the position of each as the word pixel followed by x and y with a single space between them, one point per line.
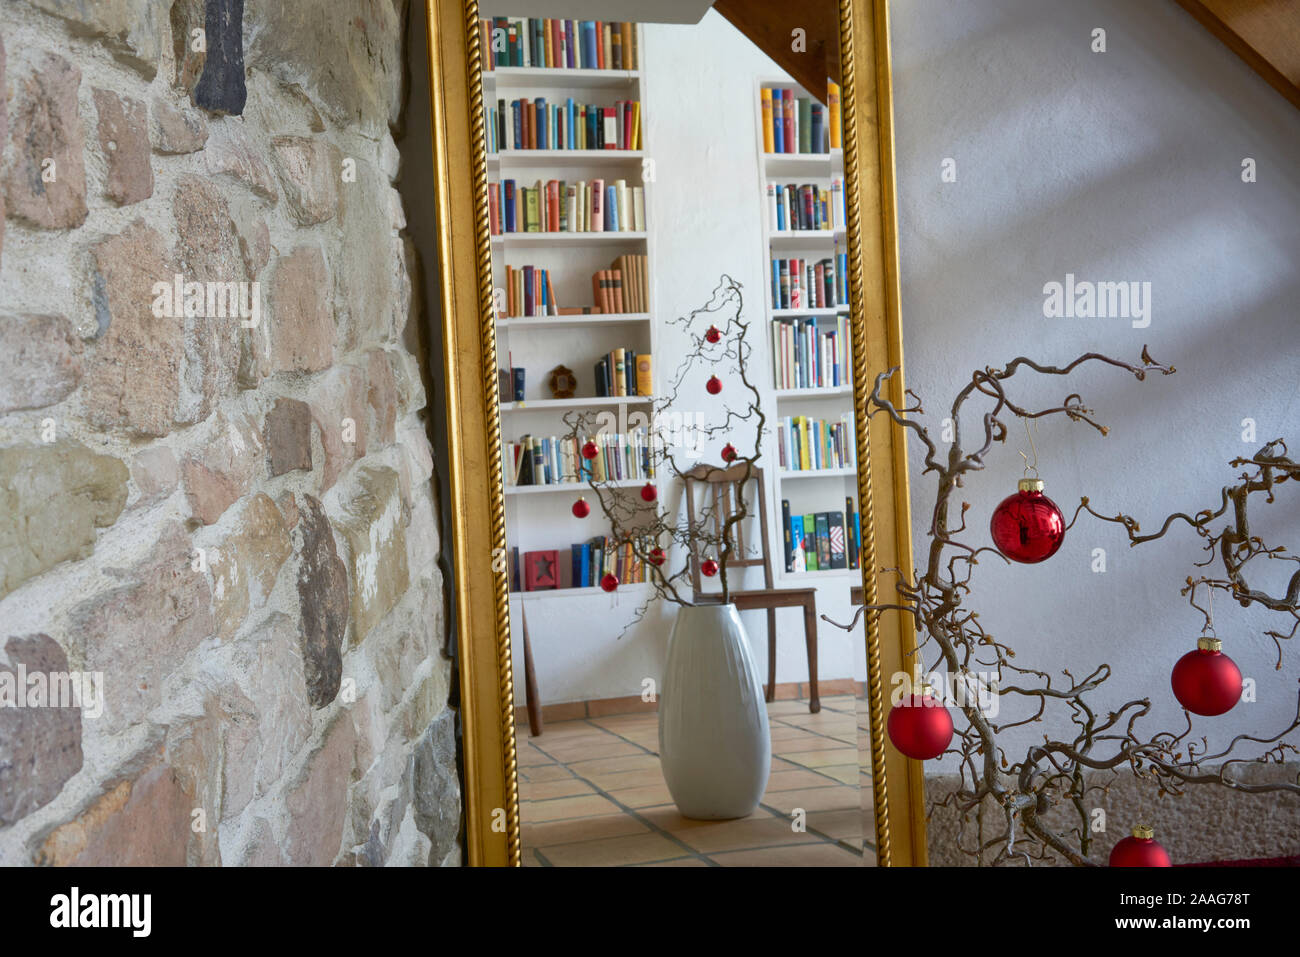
pixel 719 336
pixel 1010 798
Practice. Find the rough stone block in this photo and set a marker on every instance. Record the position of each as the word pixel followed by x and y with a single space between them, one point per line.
pixel 177 130
pixel 221 471
pixel 52 498
pixel 309 171
pixel 244 567
pixel 40 361
pixel 40 742
pixel 45 182
pixel 133 373
pixel 301 322
pixel 371 523
pixel 124 141
pixel 288 436
pixel 139 633
pixel 132 30
pixel 221 85
pixel 322 602
pixel 317 800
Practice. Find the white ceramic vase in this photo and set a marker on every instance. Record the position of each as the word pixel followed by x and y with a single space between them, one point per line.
pixel 714 742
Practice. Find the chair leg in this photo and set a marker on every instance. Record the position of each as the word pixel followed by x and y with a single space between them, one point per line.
pixel 810 638
pixel 770 694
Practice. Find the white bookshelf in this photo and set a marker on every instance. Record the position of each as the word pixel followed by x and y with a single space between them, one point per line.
pixel 819 490
pixel 538 517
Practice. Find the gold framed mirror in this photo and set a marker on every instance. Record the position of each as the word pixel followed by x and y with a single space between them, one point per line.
pixel 472 308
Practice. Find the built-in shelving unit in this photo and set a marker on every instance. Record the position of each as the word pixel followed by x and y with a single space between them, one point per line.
pixel 538 516
pixel 807 491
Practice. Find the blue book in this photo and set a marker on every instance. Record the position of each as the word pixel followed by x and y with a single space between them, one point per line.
pixel 780 207
pixel 611 210
pixel 540 115
pixel 818 137
pixel 516 112
pixel 568 44
pixel 589 44
pixel 798 560
pixel 776 284
pixel 571 116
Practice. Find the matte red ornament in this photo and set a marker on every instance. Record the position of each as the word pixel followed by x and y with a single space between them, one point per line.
pixel 609 582
pixel 729 452
pixel 581 509
pixel 1027 527
pixel 648 492
pixel 589 451
pixel 920 726
pixel 714 334
pixel 1206 681
pixel 1140 850
pixel 714 385
pixel 709 567
pixel 657 556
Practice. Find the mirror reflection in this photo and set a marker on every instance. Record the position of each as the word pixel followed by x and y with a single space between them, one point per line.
pixel 669 257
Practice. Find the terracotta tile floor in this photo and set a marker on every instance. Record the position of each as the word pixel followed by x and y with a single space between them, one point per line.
pixel 592 795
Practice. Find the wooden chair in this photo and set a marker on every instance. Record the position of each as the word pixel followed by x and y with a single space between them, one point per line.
pixel 724 491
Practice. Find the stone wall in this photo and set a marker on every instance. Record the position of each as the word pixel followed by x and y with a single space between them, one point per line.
pixel 223 519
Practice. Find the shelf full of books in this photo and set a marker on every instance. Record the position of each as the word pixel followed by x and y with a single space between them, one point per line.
pixel 801 163
pixel 571 255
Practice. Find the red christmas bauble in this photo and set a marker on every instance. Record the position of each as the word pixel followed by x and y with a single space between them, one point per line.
pixel 714 385
pixel 1206 681
pixel 920 726
pixel 648 492
pixel 1027 527
pixel 714 334
pixel 729 452
pixel 609 582
pixel 589 451
pixel 657 556
pixel 581 509
pixel 1140 850
pixel 709 567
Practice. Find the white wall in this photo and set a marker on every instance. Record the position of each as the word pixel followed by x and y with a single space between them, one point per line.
pixel 704 213
pixel 1123 165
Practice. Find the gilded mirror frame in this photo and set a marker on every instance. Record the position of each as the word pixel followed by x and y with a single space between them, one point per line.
pixel 477 505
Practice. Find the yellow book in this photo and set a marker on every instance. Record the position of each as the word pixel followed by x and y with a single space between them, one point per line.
pixel 833 111
pixel 805 461
pixel 644 378
pixel 766 95
pixel 636 126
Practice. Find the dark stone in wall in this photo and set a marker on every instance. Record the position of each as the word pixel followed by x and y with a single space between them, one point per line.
pixel 40 747
pixel 435 786
pixel 221 87
pixel 323 600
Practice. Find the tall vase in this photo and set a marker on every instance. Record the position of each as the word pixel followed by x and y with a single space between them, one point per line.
pixel 714 742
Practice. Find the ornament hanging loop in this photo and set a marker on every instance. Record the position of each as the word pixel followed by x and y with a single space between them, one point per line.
pixel 1208 611
pixel 1030 467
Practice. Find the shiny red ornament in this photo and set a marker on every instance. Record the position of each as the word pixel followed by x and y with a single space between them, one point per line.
pixel 657 556
pixel 581 509
pixel 920 726
pixel 648 492
pixel 714 334
pixel 714 385
pixel 1206 681
pixel 709 567
pixel 729 452
pixel 1027 527
pixel 589 451
pixel 609 582
pixel 1140 850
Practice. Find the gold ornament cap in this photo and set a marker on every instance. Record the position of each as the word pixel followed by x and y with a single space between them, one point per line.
pixel 1206 643
pixel 1144 832
pixel 1031 485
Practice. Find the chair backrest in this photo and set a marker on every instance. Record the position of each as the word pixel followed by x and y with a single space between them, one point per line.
pixel 724 488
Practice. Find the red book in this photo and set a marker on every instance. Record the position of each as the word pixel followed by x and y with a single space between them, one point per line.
pixel 541 570
pixel 787 115
pixel 553 206
pixel 820 288
pixel 611 128
pixel 600 45
pixel 494 209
